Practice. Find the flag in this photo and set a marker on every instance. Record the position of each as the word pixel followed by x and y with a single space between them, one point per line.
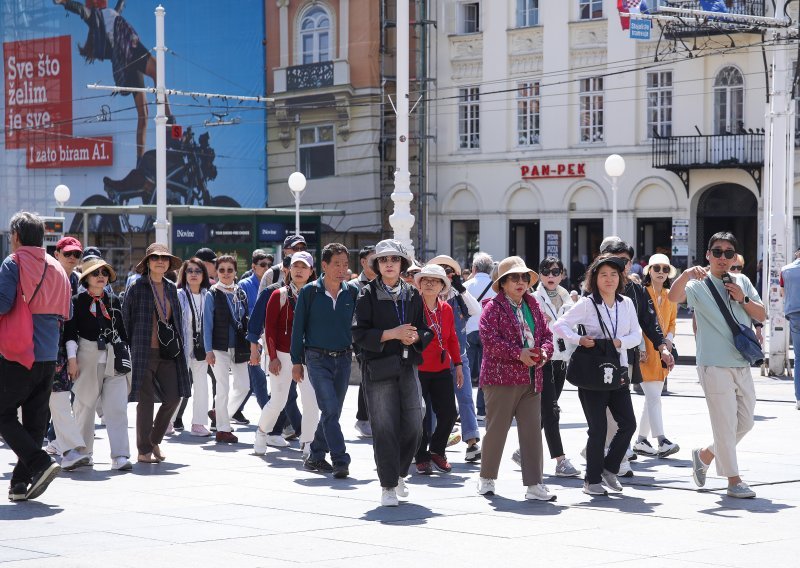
pixel 714 6
pixel 630 7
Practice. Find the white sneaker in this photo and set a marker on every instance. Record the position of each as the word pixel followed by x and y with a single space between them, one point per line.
pixel 644 448
pixel 610 480
pixel 73 460
pixel 275 441
pixel 485 486
pixel 389 497
pixel 260 445
pixel 402 489
pixel 305 447
pixel 667 448
pixel 121 463
pixel 364 429
pixel 625 469
pixel 539 492
pixel 516 457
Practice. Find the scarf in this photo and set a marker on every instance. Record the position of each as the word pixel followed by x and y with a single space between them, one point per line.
pixel 98 301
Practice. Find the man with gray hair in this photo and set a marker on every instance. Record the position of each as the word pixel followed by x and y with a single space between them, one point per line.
pixel 480 287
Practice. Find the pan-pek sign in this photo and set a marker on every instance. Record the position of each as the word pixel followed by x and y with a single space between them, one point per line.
pixel 555 170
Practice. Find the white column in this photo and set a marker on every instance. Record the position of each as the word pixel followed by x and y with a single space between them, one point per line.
pixel 344 29
pixel 161 224
pixel 283 18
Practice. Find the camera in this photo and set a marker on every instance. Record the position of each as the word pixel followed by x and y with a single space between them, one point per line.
pixel 561 345
pixel 726 279
pixel 101 344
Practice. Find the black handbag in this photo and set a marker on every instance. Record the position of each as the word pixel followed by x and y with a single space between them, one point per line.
pixel 241 350
pixel 743 337
pixel 169 342
pixel 122 357
pixel 198 347
pixel 384 368
pixel 597 368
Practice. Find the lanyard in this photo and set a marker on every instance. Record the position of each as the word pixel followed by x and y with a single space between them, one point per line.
pixel 197 313
pixel 401 311
pixel 434 318
pixel 616 318
pixel 234 312
pixel 161 304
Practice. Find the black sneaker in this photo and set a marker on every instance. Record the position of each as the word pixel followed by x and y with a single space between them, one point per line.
pixel 17 491
pixel 341 471
pixel 42 479
pixel 178 425
pixel 317 465
pixel 238 418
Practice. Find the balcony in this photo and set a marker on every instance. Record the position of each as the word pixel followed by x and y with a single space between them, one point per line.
pixel 692 28
pixel 312 77
pixel 681 154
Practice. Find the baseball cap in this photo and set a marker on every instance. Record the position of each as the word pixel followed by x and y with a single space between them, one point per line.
pixel 91 252
pixel 293 240
pixel 206 255
pixel 69 244
pixel 304 257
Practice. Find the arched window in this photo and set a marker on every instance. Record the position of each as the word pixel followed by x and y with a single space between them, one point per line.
pixel 728 101
pixel 315 33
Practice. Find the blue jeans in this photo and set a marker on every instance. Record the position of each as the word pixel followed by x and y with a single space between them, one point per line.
pixel 330 377
pixel 466 405
pixel 396 412
pixel 475 355
pixel 794 328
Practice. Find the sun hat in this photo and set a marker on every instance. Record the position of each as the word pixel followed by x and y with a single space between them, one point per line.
pixel 447 261
pixel 390 247
pixel 414 268
pixel 69 244
pixel 663 259
pixel 513 265
pixel 433 271
pixel 160 250
pixel 92 264
pixel 304 257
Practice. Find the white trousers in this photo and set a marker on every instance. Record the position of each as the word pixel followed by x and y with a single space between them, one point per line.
pixel 731 400
pixel 229 397
pixel 68 435
pixel 651 420
pixel 94 385
pixel 199 370
pixel 279 386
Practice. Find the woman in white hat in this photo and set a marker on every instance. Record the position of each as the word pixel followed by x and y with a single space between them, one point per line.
pixel 435 377
pixel 95 325
pixel 516 344
pixel 658 275
pixel 389 327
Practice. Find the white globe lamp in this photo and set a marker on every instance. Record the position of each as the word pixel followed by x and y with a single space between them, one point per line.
pixel 615 167
pixel 61 194
pixel 297 184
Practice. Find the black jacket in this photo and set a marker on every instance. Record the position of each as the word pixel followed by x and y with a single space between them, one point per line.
pixel 647 314
pixel 375 313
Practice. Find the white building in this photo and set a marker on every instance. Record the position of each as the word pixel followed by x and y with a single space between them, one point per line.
pixel 534 95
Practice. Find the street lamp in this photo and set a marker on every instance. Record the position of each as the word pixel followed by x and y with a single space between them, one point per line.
pixel 297 184
pixel 615 167
pixel 61 194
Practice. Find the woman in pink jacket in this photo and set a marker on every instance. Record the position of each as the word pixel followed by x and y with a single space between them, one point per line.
pixel 516 344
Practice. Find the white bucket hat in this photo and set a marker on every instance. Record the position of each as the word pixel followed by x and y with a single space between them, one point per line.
pixel 433 271
pixel 663 260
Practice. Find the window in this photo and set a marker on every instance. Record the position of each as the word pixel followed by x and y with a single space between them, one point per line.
pixel 469 17
pixel 316 147
pixel 591 110
pixel 527 13
pixel 315 29
pixel 659 104
pixel 469 118
pixel 590 9
pixel 728 101
pixel 464 240
pixel 528 100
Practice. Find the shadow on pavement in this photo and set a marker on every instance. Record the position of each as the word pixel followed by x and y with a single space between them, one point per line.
pixel 620 502
pixel 26 510
pixel 163 468
pixel 526 507
pixel 755 505
pixel 406 514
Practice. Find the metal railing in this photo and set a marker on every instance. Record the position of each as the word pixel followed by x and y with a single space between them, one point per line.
pixel 691 27
pixel 708 152
pixel 309 76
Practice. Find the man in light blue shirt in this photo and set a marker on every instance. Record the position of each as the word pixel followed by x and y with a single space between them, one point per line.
pixel 724 374
pixel 790 282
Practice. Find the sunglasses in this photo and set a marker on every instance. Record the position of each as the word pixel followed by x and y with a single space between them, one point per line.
pixel 100 272
pixel 263 264
pixel 736 268
pixel 659 268
pixel 551 272
pixel 385 259
pixel 447 270
pixel 517 277
pixel 72 254
pixel 729 254
pixel 194 271
pixel 298 248
pixel 226 270
pixel 160 257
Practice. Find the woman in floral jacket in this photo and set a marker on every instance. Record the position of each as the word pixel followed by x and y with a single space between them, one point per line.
pixel 516 344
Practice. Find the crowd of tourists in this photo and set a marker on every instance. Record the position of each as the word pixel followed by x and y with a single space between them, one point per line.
pixel 196 331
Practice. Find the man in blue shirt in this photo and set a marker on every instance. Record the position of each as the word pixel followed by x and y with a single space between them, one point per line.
pixel 322 337
pixel 790 282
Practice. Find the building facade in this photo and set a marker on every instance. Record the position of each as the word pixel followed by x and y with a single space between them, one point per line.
pixel 534 95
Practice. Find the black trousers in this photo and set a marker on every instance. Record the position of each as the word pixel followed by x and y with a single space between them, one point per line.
pixel 438 389
pixel 554 375
pixel 30 391
pixel 594 405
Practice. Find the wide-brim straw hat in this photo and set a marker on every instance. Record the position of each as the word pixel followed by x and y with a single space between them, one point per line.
pixel 389 247
pixel 433 271
pixel 662 259
pixel 513 265
pixel 93 264
pixel 160 250
pixel 447 261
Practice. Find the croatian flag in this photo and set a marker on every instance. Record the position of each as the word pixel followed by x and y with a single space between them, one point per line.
pixel 630 7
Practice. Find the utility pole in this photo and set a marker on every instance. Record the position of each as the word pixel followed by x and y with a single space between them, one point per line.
pixel 401 219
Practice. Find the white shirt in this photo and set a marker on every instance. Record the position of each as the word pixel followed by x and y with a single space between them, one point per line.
pixel 475 286
pixel 550 311
pixel 622 317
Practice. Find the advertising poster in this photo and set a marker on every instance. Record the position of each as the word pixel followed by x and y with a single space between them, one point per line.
pixel 56 130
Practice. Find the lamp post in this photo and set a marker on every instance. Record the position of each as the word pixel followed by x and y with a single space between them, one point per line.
pixel 297 184
pixel 615 167
pixel 61 194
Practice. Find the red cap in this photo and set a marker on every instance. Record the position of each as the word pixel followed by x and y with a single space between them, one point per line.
pixel 69 244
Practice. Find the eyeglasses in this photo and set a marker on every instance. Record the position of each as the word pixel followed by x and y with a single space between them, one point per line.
pixel 194 271
pixel 226 270
pixel 72 254
pixel 385 259
pixel 729 253
pixel 298 247
pixel 160 257
pixel 551 272
pixel 736 268
pixel 659 268
pixel 517 277
pixel 100 272
pixel 263 264
pixel 427 281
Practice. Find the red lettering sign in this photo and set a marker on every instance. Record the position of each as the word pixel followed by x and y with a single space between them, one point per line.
pixel 38 90
pixel 70 153
pixel 547 171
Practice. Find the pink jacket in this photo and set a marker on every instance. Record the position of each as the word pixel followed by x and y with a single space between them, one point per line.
pixel 499 332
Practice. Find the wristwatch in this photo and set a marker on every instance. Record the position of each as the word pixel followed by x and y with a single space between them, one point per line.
pixel 746 300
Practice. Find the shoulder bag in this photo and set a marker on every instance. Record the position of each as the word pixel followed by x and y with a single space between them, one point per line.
pixel 198 347
pixel 597 368
pixel 743 337
pixel 169 343
pixel 241 350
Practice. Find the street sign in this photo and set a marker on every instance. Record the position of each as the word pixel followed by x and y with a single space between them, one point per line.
pixel 680 237
pixel 640 29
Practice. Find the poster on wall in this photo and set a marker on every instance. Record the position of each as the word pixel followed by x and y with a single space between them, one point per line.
pixel 57 130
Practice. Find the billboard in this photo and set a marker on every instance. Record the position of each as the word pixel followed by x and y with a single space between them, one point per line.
pixel 56 130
